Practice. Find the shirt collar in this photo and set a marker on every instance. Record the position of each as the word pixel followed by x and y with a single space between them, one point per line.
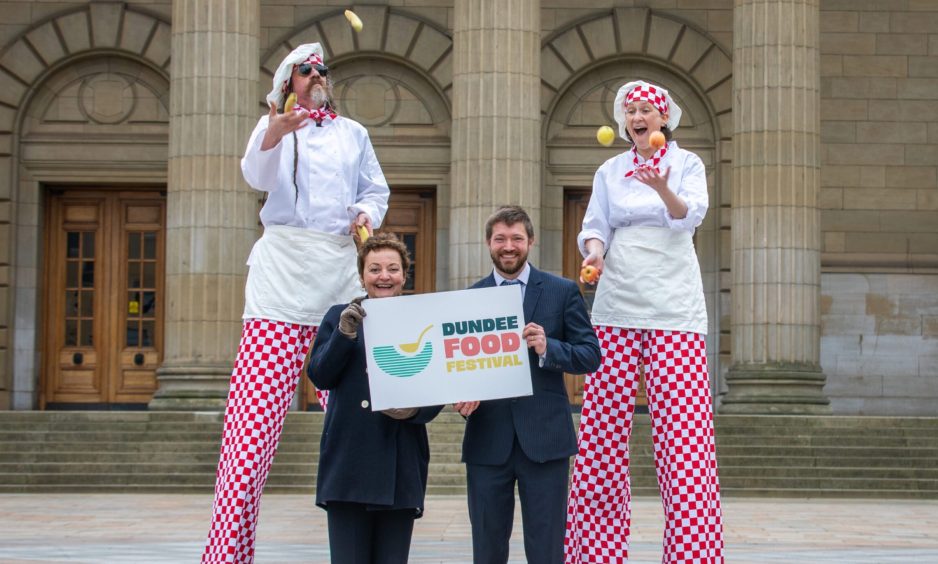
pixel 523 276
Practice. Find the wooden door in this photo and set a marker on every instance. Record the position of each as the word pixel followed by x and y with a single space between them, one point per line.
pixel 103 290
pixel 412 217
pixel 574 208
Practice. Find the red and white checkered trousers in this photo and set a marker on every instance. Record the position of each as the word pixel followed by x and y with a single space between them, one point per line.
pixel 599 510
pixel 263 382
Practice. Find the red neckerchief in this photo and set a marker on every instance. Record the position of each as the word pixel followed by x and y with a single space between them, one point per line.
pixel 325 112
pixel 650 163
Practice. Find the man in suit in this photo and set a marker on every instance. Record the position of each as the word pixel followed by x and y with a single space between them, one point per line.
pixel 528 440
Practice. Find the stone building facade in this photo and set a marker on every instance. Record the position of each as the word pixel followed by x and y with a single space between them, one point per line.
pixel 124 223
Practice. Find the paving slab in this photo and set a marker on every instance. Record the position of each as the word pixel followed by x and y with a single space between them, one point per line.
pixel 145 528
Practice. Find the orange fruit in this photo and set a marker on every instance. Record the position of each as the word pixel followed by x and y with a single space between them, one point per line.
pixel 589 274
pixel 657 140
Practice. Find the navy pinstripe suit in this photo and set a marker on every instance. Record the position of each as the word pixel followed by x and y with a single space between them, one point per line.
pixel 530 439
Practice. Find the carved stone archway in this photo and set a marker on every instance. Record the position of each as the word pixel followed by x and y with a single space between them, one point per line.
pixel 113 45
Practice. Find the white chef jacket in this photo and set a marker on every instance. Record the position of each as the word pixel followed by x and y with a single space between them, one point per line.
pixel 338 176
pixel 306 260
pixel 618 201
pixel 651 278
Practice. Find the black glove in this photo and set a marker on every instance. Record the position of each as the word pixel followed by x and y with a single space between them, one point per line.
pixel 350 318
pixel 400 413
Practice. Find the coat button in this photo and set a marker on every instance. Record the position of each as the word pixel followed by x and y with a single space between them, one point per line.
pixel 365 404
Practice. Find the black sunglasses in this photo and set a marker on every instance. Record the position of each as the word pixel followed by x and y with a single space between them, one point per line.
pixel 306 69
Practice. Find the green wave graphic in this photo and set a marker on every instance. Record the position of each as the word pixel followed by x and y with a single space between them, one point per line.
pixel 396 364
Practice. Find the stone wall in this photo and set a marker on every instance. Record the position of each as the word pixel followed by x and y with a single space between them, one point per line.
pixel 879 205
pixel 879 343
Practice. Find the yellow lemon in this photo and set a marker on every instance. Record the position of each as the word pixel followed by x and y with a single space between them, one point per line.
pixel 354 20
pixel 605 135
pixel 291 101
pixel 362 233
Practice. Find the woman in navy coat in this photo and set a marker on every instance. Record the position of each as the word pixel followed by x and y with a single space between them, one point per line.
pixel 372 465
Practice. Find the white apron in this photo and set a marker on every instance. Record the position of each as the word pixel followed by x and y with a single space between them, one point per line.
pixel 651 280
pixel 297 274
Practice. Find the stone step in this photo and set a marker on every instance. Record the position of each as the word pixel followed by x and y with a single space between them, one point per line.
pixel 723 423
pixel 307 448
pixel 637 491
pixel 927 488
pixel 450 457
pixel 312 439
pixel 177 452
pixel 450 472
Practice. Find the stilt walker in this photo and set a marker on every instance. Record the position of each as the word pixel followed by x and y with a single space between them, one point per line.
pixel 323 183
pixel 649 311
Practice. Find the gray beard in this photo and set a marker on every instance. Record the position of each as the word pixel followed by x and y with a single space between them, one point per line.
pixel 319 97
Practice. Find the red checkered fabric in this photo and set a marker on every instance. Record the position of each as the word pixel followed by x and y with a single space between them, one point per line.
pixel 313 59
pixel 325 112
pixel 599 509
pixel 323 397
pixel 652 163
pixel 270 358
pixel 648 94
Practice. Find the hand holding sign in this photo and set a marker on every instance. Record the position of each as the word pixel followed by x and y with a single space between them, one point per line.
pixel 535 338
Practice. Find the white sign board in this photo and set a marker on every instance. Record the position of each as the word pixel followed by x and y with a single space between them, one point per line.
pixel 433 349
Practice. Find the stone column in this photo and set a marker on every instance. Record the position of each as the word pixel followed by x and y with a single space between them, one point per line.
pixel 776 221
pixel 211 213
pixel 496 128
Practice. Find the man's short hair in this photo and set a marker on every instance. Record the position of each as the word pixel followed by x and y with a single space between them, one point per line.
pixel 509 215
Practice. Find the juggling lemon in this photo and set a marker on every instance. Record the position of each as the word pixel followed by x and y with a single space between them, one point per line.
pixel 354 20
pixel 605 135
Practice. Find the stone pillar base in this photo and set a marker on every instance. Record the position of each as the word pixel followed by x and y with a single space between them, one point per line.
pixel 775 389
pixel 192 388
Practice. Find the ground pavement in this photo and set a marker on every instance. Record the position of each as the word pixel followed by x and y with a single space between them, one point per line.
pixel 155 528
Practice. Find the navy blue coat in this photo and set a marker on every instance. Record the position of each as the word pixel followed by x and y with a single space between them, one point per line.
pixel 543 422
pixel 364 456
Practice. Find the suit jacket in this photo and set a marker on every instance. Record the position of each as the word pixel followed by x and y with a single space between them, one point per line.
pixel 543 422
pixel 364 456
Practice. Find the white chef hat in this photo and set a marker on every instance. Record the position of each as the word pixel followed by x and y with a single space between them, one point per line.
pixel 655 95
pixel 306 53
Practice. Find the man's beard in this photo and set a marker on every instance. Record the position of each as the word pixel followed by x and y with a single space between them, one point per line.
pixel 319 96
pixel 520 260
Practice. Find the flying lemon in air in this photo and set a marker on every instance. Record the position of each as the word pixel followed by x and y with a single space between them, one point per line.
pixel 354 20
pixel 605 135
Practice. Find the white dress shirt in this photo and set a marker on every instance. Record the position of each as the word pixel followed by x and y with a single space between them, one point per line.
pixel 337 176
pixel 618 201
pixel 522 276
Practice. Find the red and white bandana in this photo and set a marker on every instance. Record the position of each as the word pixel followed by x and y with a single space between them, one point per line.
pixel 650 94
pixel 650 163
pixel 313 59
pixel 325 112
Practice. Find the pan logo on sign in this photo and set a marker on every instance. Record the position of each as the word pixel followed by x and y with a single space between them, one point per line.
pixel 404 360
